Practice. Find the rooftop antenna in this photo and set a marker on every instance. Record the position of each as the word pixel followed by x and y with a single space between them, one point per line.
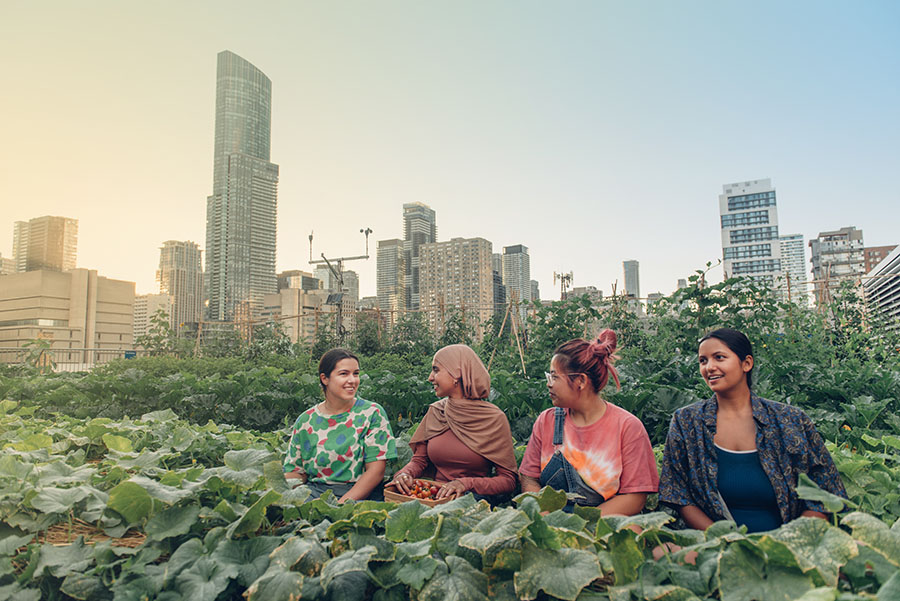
pixel 565 280
pixel 336 267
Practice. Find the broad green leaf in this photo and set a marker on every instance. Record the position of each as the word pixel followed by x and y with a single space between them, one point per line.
pixel 10 544
pixel 15 592
pixel 274 475
pixel 385 549
pixel 823 593
pixel 454 507
pixel 646 521
pixel 349 586
pixel 874 533
pixel 418 549
pixel 810 491
pixel 183 557
pixel 59 500
pixel 743 575
pixel 33 442
pixel 244 467
pixel 117 443
pixel 253 517
pixel 277 584
pixel 204 580
pixel 15 467
pixel 301 554
pixel 501 525
pixel 456 580
pixel 249 557
pixel 561 574
pixel 415 573
pixel 626 556
pixel 405 523
pixel 890 590
pixel 816 543
pixel 8 406
pixel 568 521
pixel 351 561
pixel 84 587
pixel 173 521
pixel 57 473
pixel 144 460
pixel 131 501
pixel 63 560
pixel 548 499
pixel 163 416
pixel 361 519
pixel 167 494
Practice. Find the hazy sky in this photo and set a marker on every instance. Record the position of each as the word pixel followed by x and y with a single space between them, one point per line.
pixel 592 132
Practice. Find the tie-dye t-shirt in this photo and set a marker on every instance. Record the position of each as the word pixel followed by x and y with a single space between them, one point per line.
pixel 613 455
pixel 335 448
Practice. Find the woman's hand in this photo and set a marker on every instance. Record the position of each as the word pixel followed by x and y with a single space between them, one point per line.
pixel 451 490
pixel 403 482
pixel 290 478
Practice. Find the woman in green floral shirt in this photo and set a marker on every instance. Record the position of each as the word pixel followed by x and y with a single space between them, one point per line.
pixel 343 443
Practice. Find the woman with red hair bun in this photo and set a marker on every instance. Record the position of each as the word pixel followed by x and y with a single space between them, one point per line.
pixel 597 452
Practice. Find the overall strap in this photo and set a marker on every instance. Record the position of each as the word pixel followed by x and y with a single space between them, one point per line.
pixel 559 420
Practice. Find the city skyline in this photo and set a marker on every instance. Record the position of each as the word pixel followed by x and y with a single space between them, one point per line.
pixel 565 146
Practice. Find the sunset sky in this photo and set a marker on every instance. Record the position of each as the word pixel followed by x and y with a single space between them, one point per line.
pixel 592 132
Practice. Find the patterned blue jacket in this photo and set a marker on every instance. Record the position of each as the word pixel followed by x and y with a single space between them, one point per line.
pixel 788 445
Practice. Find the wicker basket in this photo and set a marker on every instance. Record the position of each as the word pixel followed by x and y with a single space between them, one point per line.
pixel 392 494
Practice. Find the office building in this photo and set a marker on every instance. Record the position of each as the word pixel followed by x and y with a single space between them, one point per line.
pixel 591 291
pixel 419 227
pixel 882 289
pixel 654 297
pixel 301 313
pixel 500 298
pixel 301 280
pixel 390 284
pixel 793 285
pixel 749 222
pixel 535 290
pixel 327 279
pixel 45 243
pixel 146 307
pixel 873 255
pixel 457 274
pixel 682 283
pixel 241 212
pixel 180 276
pixel 836 256
pixel 368 303
pixel 632 278
pixel 78 311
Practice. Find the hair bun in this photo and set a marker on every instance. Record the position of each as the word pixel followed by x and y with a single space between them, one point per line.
pixel 605 344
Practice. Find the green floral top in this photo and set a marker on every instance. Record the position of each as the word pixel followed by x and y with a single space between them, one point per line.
pixel 335 448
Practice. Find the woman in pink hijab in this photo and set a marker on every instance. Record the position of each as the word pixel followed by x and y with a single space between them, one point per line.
pixel 464 440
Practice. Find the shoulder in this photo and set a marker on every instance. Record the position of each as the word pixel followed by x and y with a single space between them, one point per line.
pixel 305 416
pixel 782 411
pixel 494 409
pixel 626 421
pixel 544 420
pixel 368 408
pixel 692 413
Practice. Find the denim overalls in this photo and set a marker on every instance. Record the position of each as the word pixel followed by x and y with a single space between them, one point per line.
pixel 560 474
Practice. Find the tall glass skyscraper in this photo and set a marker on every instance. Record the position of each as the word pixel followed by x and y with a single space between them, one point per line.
pixel 419 227
pixel 241 212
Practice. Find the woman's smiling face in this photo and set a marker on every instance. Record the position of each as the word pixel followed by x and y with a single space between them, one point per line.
pixel 722 369
pixel 343 381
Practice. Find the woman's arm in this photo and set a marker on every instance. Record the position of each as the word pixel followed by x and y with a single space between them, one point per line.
pixel 370 478
pixel 296 475
pixel 630 503
pixel 529 484
pixel 414 469
pixel 694 517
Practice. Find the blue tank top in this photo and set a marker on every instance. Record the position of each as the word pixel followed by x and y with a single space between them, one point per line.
pixel 746 490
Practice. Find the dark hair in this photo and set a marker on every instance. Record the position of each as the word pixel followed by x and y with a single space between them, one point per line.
pixel 330 360
pixel 737 342
pixel 593 359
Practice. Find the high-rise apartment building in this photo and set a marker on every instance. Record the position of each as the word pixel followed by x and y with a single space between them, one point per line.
pixel 7 265
pixel 297 279
pixel 632 278
pixel 873 255
pixel 517 272
pixel 47 242
pixel 419 227
pixel 457 273
pixel 793 267
pixel 390 282
pixel 836 256
pixel 882 290
pixel 180 277
pixel 241 212
pixel 749 221
pixel 146 306
pixel 535 290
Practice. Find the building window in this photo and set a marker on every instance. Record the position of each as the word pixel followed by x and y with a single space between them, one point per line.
pixel 751 201
pixel 755 234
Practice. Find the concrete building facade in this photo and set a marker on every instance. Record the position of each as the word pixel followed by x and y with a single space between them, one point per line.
pixel 749 222
pixel 882 288
pixel 836 256
pixel 241 212
pixel 390 282
pixel 75 310
pixel 873 255
pixel 632 273
pixel 300 312
pixel 457 273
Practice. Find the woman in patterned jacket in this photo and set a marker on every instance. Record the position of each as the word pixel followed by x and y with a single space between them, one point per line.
pixel 343 443
pixel 737 456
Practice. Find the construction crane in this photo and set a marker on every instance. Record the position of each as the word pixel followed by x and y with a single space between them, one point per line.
pixel 336 267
